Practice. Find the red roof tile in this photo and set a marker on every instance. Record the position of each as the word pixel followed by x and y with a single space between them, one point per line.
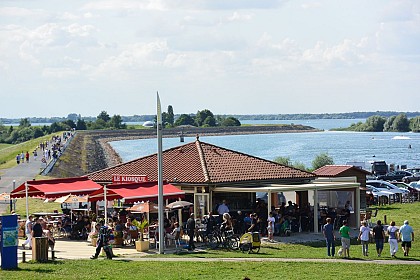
pixel 336 170
pixel 203 163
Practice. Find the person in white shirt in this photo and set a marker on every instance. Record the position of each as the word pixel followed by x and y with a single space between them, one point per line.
pixel 28 232
pixel 364 236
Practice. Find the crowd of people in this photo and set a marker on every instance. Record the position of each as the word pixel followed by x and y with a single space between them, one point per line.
pixel 48 150
pixel 403 234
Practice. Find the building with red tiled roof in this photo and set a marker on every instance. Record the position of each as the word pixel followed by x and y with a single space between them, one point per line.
pixel 199 168
pixel 202 164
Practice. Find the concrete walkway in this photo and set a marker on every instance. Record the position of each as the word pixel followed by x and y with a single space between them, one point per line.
pixel 71 249
pixel 19 174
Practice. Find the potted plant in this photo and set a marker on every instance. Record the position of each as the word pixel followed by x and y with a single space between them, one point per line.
pixel 141 245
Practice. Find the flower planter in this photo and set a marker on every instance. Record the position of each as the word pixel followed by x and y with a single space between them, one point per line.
pixel 142 246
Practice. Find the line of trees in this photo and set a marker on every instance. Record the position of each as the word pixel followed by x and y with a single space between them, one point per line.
pixel 203 118
pixel 318 162
pixel 399 123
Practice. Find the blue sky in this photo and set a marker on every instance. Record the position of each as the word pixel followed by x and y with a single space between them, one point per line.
pixel 229 56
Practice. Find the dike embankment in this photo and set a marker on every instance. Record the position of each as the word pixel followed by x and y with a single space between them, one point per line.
pixel 90 150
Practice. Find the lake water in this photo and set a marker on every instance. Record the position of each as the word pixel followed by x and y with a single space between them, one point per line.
pixel 300 147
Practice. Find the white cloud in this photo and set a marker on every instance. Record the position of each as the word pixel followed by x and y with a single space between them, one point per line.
pixel 236 16
pixel 311 5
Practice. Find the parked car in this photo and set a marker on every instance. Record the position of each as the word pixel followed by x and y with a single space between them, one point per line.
pixel 384 185
pixel 413 192
pixel 415 185
pixel 413 170
pixel 394 175
pixel 380 196
pixel 412 178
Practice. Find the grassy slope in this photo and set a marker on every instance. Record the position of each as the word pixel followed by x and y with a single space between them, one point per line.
pixel 8 154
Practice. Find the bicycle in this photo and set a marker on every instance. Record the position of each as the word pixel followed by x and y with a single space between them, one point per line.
pixel 227 239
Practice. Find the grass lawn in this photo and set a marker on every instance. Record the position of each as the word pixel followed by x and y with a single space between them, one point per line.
pixel 124 269
pixel 3 146
pixel 35 206
pixel 8 154
pixel 119 269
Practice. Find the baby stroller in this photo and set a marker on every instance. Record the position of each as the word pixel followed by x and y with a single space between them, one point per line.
pixel 250 242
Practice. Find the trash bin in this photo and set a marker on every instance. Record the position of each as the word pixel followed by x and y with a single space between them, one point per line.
pixel 40 249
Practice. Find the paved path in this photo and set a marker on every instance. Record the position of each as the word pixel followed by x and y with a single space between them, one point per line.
pixel 72 249
pixel 20 174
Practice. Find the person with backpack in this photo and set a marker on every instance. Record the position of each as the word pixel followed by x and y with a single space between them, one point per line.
pixel 103 242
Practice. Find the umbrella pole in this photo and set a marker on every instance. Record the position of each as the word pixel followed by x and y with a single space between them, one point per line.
pixel 27 202
pixel 105 206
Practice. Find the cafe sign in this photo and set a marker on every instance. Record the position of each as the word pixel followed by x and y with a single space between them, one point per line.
pixel 126 179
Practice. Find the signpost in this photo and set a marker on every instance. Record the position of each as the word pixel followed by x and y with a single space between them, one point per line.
pixel 9 241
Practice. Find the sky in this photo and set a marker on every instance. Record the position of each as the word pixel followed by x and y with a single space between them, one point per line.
pixel 228 56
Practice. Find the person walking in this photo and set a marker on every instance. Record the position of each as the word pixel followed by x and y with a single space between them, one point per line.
pixel 406 236
pixel 393 241
pixel 191 232
pixel 28 232
pixel 379 236
pixel 364 235
pixel 328 232
pixel 103 242
pixel 345 239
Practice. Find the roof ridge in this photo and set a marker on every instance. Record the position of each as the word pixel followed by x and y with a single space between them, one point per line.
pixel 202 160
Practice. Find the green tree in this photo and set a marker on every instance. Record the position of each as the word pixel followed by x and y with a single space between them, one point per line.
pixel 103 116
pixel 170 117
pixel 388 124
pixel 415 124
pixel 230 121
pixel 284 160
pixel 184 119
pixel 401 123
pixel 375 123
pixel 202 115
pixel 81 124
pixel 209 122
pixel 70 123
pixel 116 122
pixel 37 132
pixel 322 160
pixel 24 123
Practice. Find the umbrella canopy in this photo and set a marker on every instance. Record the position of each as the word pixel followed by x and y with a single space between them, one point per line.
pixel 136 192
pixel 56 188
pixel 144 207
pixel 178 204
pixel 4 196
pixel 72 199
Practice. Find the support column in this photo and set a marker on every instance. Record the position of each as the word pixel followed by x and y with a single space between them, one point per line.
pixel 357 207
pixel 269 203
pixel 316 210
